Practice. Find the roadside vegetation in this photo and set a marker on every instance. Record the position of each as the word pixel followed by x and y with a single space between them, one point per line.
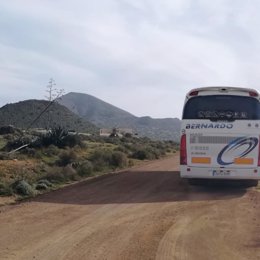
pixel 49 161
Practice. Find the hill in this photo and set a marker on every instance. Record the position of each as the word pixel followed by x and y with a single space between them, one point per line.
pixel 96 111
pixel 106 115
pixel 23 113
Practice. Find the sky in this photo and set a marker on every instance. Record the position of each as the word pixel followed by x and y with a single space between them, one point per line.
pixel 139 55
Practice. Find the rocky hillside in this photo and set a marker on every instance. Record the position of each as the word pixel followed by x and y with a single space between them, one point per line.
pixel 24 113
pixel 106 115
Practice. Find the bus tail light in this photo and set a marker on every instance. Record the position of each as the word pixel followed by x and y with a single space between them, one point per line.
pixel 253 94
pixel 183 150
pixel 194 93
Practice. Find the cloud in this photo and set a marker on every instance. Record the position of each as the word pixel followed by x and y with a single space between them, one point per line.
pixel 140 55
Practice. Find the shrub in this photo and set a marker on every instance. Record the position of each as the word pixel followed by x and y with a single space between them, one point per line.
pixel 4 156
pixel 60 138
pixel 85 169
pixel 119 159
pixel 131 163
pixel 55 176
pixel 122 149
pixel 61 175
pixel 101 154
pixel 67 157
pixel 100 158
pixel 72 140
pixel 41 186
pixel 104 158
pixel 5 190
pixel 45 182
pixel 16 143
pixel 147 153
pixel 140 155
pixel 52 150
pixel 128 135
pixel 56 136
pixel 23 188
pixel 129 147
pixel 6 130
pixel 113 140
pixel 69 173
pixel 29 151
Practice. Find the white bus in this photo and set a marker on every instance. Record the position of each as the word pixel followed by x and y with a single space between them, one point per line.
pixel 220 132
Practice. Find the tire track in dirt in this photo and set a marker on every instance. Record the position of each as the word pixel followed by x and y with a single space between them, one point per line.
pixel 222 229
pixel 144 213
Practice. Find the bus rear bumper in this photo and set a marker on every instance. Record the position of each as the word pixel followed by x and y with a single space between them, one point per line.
pixel 220 173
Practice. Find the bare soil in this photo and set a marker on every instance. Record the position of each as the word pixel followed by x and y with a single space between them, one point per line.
pixel 144 213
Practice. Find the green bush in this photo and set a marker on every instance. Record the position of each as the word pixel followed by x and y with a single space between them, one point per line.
pixel 45 182
pixel 140 155
pixel 69 173
pixel 52 150
pixel 62 175
pixel 113 140
pixel 122 149
pixel 23 188
pixel 147 153
pixel 85 169
pixel 55 176
pixel 5 189
pixel 41 186
pixel 58 137
pixel 119 159
pixel 6 130
pixel 131 163
pixel 128 135
pixel 17 142
pixel 104 158
pixel 72 140
pixel 101 159
pixel 29 151
pixel 5 156
pixel 67 157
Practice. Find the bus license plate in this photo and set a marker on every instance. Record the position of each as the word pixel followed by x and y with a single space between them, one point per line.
pixel 221 173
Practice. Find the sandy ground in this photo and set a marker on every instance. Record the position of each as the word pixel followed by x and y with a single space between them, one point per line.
pixel 144 213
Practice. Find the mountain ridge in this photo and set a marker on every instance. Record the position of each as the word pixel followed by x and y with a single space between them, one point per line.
pixel 21 114
pixel 106 115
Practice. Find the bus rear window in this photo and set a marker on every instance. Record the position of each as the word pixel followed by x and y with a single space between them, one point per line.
pixel 222 107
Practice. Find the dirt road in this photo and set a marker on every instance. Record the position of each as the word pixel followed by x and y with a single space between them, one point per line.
pixel 145 213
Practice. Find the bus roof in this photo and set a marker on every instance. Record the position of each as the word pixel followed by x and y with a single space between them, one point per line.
pixel 222 90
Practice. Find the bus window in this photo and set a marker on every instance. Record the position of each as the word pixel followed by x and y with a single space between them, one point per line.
pixel 222 107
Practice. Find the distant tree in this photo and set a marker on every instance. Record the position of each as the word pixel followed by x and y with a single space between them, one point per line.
pixel 128 135
pixel 114 133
